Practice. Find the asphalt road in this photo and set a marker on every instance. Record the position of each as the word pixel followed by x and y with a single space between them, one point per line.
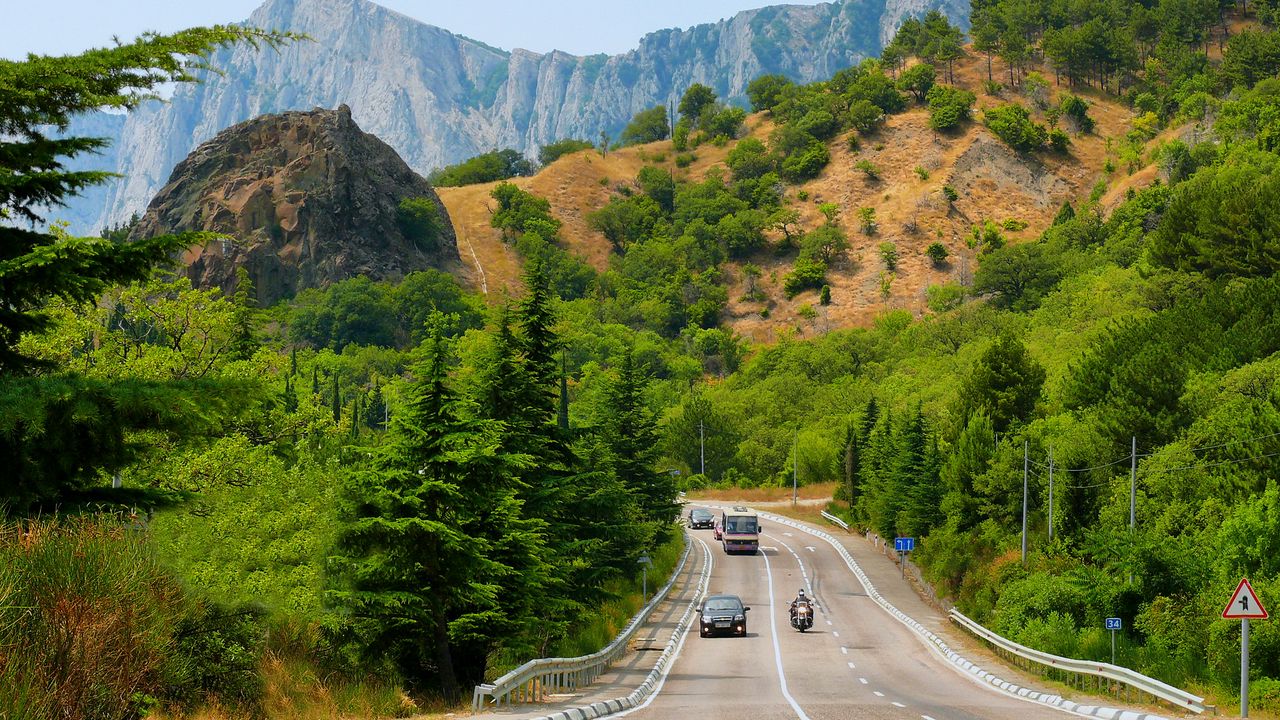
pixel 857 661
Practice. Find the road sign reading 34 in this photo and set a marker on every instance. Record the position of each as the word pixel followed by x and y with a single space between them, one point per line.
pixel 1244 604
pixel 1114 624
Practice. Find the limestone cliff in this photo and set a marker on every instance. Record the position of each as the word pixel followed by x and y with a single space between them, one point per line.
pixel 438 98
pixel 308 199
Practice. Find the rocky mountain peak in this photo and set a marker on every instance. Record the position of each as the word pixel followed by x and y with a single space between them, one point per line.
pixel 308 198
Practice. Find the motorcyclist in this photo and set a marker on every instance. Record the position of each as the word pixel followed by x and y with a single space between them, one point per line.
pixel 800 598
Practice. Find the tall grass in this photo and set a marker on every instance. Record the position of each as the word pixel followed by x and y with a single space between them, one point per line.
pixel 85 620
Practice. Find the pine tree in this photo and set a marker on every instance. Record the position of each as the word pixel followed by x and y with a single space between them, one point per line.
pixel 243 341
pixel 315 382
pixel 631 435
pixel 421 578
pixel 336 400
pixel 293 361
pixel 562 418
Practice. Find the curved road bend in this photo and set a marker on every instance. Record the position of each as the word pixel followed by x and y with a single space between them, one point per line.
pixel 857 662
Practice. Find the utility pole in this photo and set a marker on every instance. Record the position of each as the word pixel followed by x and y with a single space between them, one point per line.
pixel 1133 491
pixel 1050 493
pixel 1024 501
pixel 702 450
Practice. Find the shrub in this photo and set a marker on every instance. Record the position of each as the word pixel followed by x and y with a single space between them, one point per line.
pixel 487 167
pixel 419 221
pixel 1059 141
pixel 941 298
pixel 854 143
pixel 807 312
pixel 647 126
pixel 548 154
pixel 950 194
pixel 889 254
pixel 937 253
pixel 685 159
pixel 868 168
pixel 867 220
pixel 805 165
pixel 1014 224
pixel 806 274
pixel 865 116
pixel 921 173
pixel 1012 123
pixel 949 107
pixel 824 295
pixel 1077 110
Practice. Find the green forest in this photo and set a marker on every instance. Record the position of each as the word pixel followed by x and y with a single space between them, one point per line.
pixel 394 491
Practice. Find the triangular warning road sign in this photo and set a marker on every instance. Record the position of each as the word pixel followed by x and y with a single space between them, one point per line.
pixel 1244 604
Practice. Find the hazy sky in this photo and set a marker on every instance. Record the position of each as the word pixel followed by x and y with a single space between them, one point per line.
pixel 578 26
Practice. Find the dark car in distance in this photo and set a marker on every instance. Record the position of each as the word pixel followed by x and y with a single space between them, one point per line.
pixel 723 615
pixel 701 519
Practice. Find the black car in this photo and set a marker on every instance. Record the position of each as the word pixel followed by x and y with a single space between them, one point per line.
pixel 700 518
pixel 723 615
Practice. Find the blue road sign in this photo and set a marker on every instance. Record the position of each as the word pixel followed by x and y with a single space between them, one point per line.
pixel 1114 623
pixel 904 544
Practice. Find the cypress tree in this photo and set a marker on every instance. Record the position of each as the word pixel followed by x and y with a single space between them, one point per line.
pixel 337 401
pixel 315 382
pixel 562 418
pixel 243 342
pixel 293 361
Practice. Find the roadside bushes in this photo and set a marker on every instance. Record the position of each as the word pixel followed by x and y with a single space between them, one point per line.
pixel 91 626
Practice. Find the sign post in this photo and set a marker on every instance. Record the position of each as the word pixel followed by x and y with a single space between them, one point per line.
pixel 1114 624
pixel 903 545
pixel 1244 606
pixel 645 562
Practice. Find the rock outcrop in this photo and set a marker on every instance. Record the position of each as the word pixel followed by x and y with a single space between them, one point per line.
pixel 438 98
pixel 307 198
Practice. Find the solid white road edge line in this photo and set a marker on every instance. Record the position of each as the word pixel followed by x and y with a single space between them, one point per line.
pixel 860 575
pixel 777 649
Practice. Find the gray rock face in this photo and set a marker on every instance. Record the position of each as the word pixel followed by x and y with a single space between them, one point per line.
pixel 307 199
pixel 438 98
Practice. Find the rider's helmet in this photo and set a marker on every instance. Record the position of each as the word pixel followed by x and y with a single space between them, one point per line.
pixel 801 597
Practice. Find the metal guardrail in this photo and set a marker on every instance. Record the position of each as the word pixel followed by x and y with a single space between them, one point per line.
pixel 1115 673
pixel 939 645
pixel 536 679
pixel 835 520
pixel 643 695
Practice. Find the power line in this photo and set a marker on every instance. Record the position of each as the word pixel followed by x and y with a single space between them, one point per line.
pixel 1126 458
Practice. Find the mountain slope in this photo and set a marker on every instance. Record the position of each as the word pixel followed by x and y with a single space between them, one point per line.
pixel 437 97
pixel 993 183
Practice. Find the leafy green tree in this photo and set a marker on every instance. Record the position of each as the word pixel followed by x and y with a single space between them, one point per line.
pixel 483 168
pixel 749 159
pixel 918 80
pixel 419 221
pixel 766 91
pixel 1012 123
pixel 701 432
pixel 696 99
pixel 647 126
pixel 659 185
pixel 1005 383
pixel 949 106
pixel 823 243
pixel 551 152
pixel 865 116
pixel 1020 275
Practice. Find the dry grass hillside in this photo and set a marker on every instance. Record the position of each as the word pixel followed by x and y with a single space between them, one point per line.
pixel 993 183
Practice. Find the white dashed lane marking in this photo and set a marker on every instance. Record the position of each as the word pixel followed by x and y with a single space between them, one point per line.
pixel 851 666
pixel 877 693
pixel 844 650
pixel 897 704
pixel 862 680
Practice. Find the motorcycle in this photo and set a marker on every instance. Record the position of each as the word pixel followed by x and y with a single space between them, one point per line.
pixel 802 616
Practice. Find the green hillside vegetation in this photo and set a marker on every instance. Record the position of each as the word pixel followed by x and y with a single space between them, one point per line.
pixel 376 488
pixel 486 167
